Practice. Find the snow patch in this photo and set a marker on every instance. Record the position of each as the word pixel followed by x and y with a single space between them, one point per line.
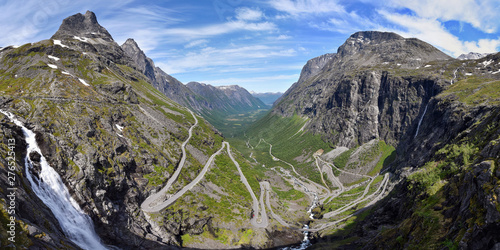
pixel 58 42
pixel 468 74
pixel 496 72
pixel 486 63
pixel 81 39
pixel 15 46
pixel 119 127
pixel 427 66
pixel 65 73
pixel 52 66
pixel 54 58
pixel 83 82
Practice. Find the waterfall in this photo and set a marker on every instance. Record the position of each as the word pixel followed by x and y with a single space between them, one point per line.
pixel 77 226
pixel 420 121
pixel 305 242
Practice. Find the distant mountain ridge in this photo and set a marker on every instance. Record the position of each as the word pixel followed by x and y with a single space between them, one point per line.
pixel 205 99
pixel 162 81
pixel 231 98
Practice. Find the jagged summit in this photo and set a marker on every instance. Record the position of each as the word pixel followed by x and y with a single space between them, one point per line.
pixel 132 44
pixel 83 26
pixel 145 64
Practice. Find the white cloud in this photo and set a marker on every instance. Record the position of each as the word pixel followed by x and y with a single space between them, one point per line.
pixel 433 32
pixel 482 15
pixel 219 29
pixel 263 79
pixel 247 14
pixel 151 13
pixel 297 7
pixel 234 56
pixel 196 43
pixel 283 37
pixel 346 23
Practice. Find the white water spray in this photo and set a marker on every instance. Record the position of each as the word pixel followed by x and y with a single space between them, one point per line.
pixel 305 242
pixel 420 121
pixel 49 187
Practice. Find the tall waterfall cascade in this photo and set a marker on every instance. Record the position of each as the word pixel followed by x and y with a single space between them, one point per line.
pixel 48 186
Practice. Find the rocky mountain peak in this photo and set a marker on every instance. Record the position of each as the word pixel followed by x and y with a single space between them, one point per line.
pixel 131 45
pixel 368 48
pixel 145 64
pixel 362 39
pixel 83 26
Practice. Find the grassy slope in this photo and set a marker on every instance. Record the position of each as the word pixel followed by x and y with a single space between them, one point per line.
pixel 288 142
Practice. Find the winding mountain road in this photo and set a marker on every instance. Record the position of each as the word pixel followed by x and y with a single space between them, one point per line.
pixel 360 199
pixel 150 207
pixel 311 183
pixel 154 201
pixel 265 185
pixel 383 184
pixel 255 221
pixel 160 200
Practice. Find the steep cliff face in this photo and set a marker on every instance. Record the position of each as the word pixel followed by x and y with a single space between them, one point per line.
pixel 364 91
pixel 311 68
pixel 450 199
pixel 314 66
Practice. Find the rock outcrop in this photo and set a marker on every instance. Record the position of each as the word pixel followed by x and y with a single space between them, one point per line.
pixel 82 26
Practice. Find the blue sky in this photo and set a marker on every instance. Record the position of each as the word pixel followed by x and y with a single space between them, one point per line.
pixel 261 44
